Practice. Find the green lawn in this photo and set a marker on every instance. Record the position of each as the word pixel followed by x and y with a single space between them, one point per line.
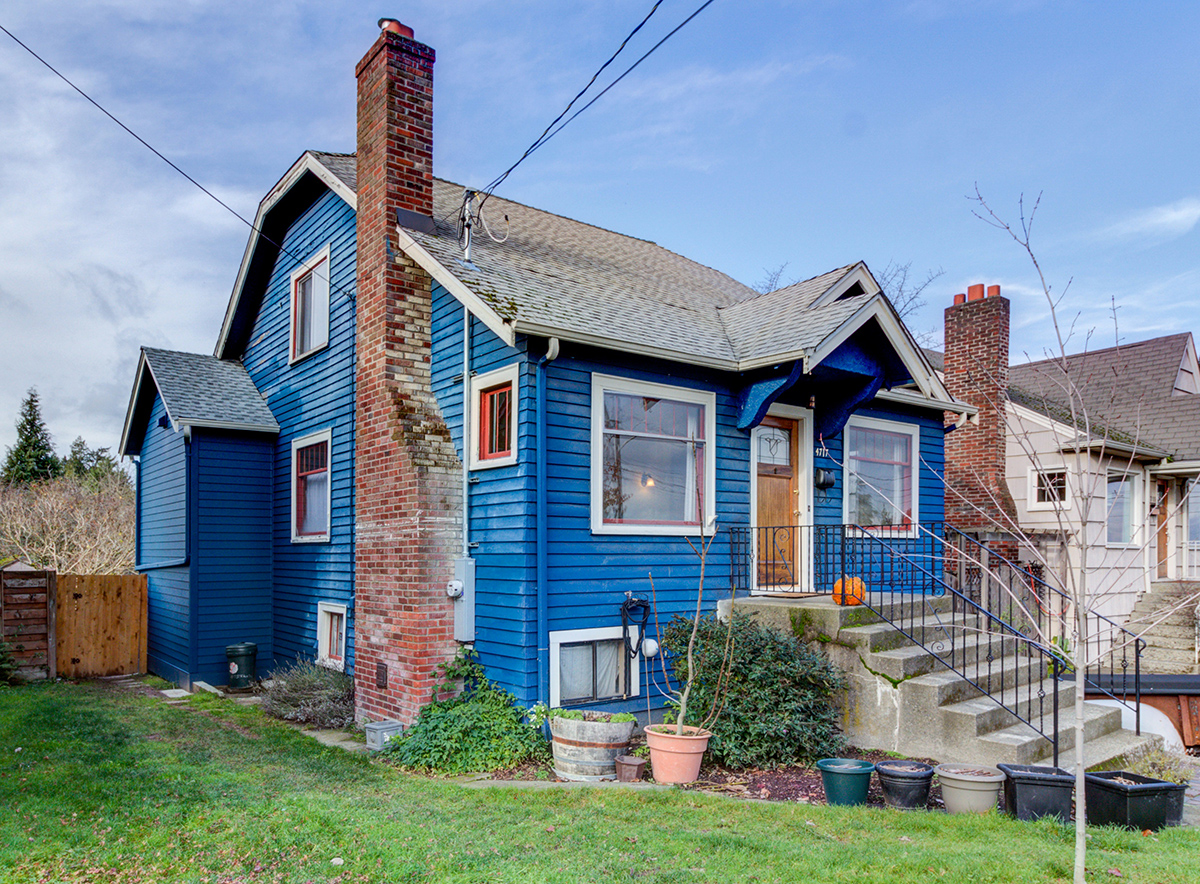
pixel 99 788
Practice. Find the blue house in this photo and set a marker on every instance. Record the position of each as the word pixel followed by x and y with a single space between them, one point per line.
pixel 434 417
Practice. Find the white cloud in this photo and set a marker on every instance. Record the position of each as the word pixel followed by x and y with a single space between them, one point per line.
pixel 1158 223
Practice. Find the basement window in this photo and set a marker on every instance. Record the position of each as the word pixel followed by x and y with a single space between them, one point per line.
pixel 331 635
pixel 588 665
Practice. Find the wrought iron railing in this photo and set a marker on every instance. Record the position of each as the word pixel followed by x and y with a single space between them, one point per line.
pixel 997 624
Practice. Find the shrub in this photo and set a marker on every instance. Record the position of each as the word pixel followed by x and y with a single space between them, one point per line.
pixel 480 729
pixel 1160 764
pixel 777 697
pixel 591 715
pixel 311 694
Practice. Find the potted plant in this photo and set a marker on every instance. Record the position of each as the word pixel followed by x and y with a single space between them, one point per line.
pixel 586 743
pixel 1031 792
pixel 846 780
pixel 969 788
pixel 1125 798
pixel 1163 764
pixel 905 784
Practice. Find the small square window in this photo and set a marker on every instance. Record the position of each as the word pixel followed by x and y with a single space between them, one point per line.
pixel 310 306
pixel 588 665
pixel 1048 489
pixel 492 440
pixel 331 635
pixel 310 488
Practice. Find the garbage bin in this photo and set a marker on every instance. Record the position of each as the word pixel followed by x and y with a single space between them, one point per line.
pixel 241 664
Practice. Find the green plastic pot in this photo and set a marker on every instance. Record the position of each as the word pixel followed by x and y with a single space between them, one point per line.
pixel 846 780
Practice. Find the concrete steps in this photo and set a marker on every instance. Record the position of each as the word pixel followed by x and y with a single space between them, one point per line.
pixel 1165 617
pixel 902 698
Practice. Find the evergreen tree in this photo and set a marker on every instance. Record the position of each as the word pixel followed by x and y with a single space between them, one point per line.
pixel 32 459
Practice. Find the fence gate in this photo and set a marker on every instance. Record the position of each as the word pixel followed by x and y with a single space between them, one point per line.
pixel 27 614
pixel 101 621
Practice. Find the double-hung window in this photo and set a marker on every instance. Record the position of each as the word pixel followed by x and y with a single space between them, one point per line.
pixel 881 473
pixel 1120 509
pixel 652 457
pixel 494 418
pixel 310 306
pixel 310 488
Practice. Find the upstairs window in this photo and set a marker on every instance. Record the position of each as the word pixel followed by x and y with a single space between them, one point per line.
pixel 310 488
pixel 652 459
pixel 881 472
pixel 494 418
pixel 310 306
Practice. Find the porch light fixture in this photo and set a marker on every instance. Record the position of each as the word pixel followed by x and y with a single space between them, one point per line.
pixel 647 480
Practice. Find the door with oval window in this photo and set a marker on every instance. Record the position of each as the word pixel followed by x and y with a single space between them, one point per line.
pixel 780 510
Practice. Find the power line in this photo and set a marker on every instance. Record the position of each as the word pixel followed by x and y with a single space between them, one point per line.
pixel 158 154
pixel 547 135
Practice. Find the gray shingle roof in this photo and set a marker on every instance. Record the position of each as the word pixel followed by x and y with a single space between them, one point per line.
pixel 343 165
pixel 1128 389
pixel 205 391
pixel 556 273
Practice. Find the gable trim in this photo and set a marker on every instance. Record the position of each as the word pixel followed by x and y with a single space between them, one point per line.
pixel 307 164
pixel 856 274
pixel 138 378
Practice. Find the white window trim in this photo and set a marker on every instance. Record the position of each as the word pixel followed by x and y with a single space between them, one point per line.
pixel 1135 505
pixel 298 274
pixel 323 610
pixel 304 441
pixel 479 383
pixel 601 384
pixel 874 423
pixel 1031 502
pixel 598 633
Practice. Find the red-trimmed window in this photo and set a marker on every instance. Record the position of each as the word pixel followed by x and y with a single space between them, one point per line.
pixel 312 489
pixel 880 473
pixel 495 422
pixel 653 467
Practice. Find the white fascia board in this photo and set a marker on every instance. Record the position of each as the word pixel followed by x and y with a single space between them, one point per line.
pixel 230 425
pixel 1177 468
pixel 920 400
pixel 1027 415
pixel 306 163
pixel 858 273
pixel 897 334
pixel 138 377
pixel 451 283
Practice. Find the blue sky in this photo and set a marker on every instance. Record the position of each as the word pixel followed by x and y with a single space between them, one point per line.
pixel 811 133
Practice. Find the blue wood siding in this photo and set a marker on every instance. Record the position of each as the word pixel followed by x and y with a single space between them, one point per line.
pixel 314 394
pixel 233 570
pixel 502 502
pixel 162 539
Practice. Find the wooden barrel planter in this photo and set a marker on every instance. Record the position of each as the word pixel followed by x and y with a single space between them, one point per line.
pixel 586 749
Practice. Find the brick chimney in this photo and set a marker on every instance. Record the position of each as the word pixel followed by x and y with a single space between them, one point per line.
pixel 977 496
pixel 407 482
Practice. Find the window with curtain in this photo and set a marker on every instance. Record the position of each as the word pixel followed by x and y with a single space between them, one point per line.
pixel 880 475
pixel 311 482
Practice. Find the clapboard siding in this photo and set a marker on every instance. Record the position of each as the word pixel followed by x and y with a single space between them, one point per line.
pixel 233 517
pixel 314 394
pixel 162 539
pixel 501 502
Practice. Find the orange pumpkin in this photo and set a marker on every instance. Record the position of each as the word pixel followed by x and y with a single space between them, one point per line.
pixel 849 591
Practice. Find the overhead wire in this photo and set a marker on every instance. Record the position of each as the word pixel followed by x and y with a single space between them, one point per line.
pixel 166 160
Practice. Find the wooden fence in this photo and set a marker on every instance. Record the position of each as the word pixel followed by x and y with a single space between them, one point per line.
pixel 101 620
pixel 27 612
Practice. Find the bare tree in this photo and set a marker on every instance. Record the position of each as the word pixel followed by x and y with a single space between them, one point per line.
pixel 73 525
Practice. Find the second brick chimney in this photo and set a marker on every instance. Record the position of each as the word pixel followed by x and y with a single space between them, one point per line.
pixel 977 496
pixel 408 501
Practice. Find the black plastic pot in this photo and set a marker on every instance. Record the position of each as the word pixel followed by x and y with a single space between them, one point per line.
pixel 905 784
pixel 1031 792
pixel 1141 803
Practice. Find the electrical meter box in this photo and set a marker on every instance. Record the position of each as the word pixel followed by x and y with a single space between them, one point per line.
pixel 380 732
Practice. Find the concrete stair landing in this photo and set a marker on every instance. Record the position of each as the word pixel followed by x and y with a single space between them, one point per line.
pixel 1165 617
pixel 901 698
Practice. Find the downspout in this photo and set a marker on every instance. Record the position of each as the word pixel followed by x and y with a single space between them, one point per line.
pixel 543 619
pixel 466 434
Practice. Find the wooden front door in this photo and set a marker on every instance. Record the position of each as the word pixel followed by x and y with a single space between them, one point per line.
pixel 1163 502
pixel 780 538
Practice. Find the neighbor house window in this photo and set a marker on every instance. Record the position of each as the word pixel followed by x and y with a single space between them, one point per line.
pixel 588 665
pixel 331 635
pixel 652 457
pixel 310 488
pixel 881 473
pixel 494 418
pixel 1120 508
pixel 1048 489
pixel 310 306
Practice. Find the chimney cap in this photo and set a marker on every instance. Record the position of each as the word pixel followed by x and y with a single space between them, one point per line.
pixel 395 27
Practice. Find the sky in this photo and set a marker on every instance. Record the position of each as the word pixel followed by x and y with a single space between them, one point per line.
pixel 763 134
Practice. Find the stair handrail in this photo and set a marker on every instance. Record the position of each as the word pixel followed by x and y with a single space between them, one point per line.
pixel 1051 662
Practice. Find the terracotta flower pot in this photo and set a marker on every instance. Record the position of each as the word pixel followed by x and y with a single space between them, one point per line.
pixel 675 758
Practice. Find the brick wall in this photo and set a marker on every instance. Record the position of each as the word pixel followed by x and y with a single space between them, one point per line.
pixel 977 495
pixel 407 474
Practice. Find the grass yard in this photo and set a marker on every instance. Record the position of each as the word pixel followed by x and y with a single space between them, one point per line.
pixel 105 787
